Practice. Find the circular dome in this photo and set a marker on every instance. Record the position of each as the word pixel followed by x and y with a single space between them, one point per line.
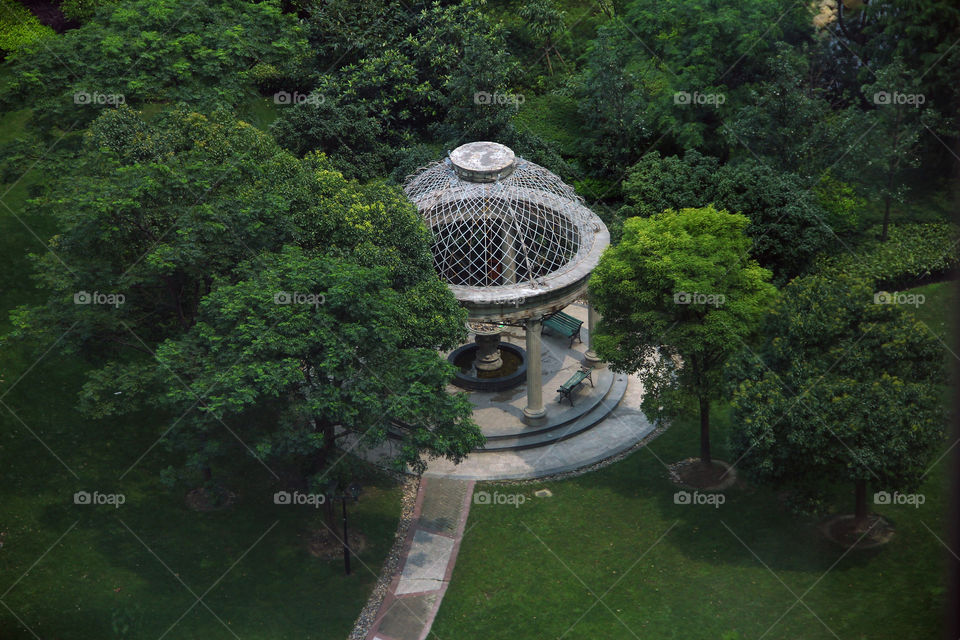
pixel 510 238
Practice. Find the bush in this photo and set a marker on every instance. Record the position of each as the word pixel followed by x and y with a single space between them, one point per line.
pixel 83 10
pixel 195 53
pixel 911 253
pixel 787 223
pixel 19 28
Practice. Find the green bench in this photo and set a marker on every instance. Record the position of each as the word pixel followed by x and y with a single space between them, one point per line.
pixel 567 388
pixel 564 325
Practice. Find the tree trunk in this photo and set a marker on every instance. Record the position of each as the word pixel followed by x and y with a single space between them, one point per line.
pixel 329 514
pixel 886 202
pixel 892 167
pixel 886 218
pixel 860 505
pixel 705 457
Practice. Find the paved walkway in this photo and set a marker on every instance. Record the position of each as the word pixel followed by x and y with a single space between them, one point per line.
pixel 430 551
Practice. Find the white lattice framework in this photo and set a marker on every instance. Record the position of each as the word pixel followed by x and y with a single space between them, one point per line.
pixel 516 230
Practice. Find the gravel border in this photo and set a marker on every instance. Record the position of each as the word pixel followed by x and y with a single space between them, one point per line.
pixel 391 565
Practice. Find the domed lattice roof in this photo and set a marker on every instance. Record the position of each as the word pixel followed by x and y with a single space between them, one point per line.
pixel 506 231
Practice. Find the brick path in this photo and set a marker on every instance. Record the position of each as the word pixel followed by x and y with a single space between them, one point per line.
pixel 430 551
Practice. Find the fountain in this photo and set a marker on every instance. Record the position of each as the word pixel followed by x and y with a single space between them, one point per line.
pixel 488 364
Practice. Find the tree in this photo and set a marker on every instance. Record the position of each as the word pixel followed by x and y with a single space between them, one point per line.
pixel 163 213
pixel 669 52
pixel 894 128
pixel 788 121
pixel 445 75
pixel 321 342
pixel 149 51
pixel 679 284
pixel 609 98
pixel 843 390
pixel 545 21
pixel 19 28
pixel 787 223
pixel 867 37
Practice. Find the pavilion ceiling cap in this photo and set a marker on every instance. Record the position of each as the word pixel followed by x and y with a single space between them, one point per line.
pixel 483 161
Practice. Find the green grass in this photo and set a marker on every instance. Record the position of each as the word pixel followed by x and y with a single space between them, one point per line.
pixel 665 571
pixel 550 116
pixel 260 112
pixel 99 571
pixel 677 571
pixel 936 311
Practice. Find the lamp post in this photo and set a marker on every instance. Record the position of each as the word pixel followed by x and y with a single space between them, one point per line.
pixel 352 493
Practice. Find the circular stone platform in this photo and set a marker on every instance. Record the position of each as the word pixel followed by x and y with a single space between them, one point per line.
pixel 605 420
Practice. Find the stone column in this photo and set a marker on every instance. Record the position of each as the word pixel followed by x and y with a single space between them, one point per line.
pixel 534 413
pixel 509 256
pixel 590 358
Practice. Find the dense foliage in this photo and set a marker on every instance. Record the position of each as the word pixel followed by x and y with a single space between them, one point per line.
pixel 146 51
pixel 171 214
pixel 444 78
pixel 19 29
pixel 845 389
pixel 787 224
pixel 910 254
pixel 678 296
pixel 197 152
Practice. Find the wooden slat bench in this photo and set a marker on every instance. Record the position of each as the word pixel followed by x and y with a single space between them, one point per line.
pixel 564 325
pixel 567 388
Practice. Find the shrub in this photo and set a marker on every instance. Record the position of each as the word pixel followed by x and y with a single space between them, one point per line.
pixel 911 253
pixel 19 28
pixel 83 10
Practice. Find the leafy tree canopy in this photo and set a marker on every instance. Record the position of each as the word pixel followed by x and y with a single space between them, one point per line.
pixel 447 76
pixel 843 390
pixel 787 224
pixel 19 29
pixel 160 211
pixel 335 370
pixel 147 51
pixel 680 283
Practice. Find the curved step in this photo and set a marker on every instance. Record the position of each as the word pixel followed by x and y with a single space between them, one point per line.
pixel 622 429
pixel 604 380
pixel 545 436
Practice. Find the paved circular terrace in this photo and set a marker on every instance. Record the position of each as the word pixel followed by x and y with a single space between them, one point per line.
pixel 605 420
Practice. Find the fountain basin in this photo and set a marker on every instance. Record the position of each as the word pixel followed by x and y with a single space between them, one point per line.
pixel 512 373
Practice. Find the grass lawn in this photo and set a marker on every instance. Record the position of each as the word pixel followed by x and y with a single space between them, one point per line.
pixel 664 570
pixel 550 116
pixel 84 571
